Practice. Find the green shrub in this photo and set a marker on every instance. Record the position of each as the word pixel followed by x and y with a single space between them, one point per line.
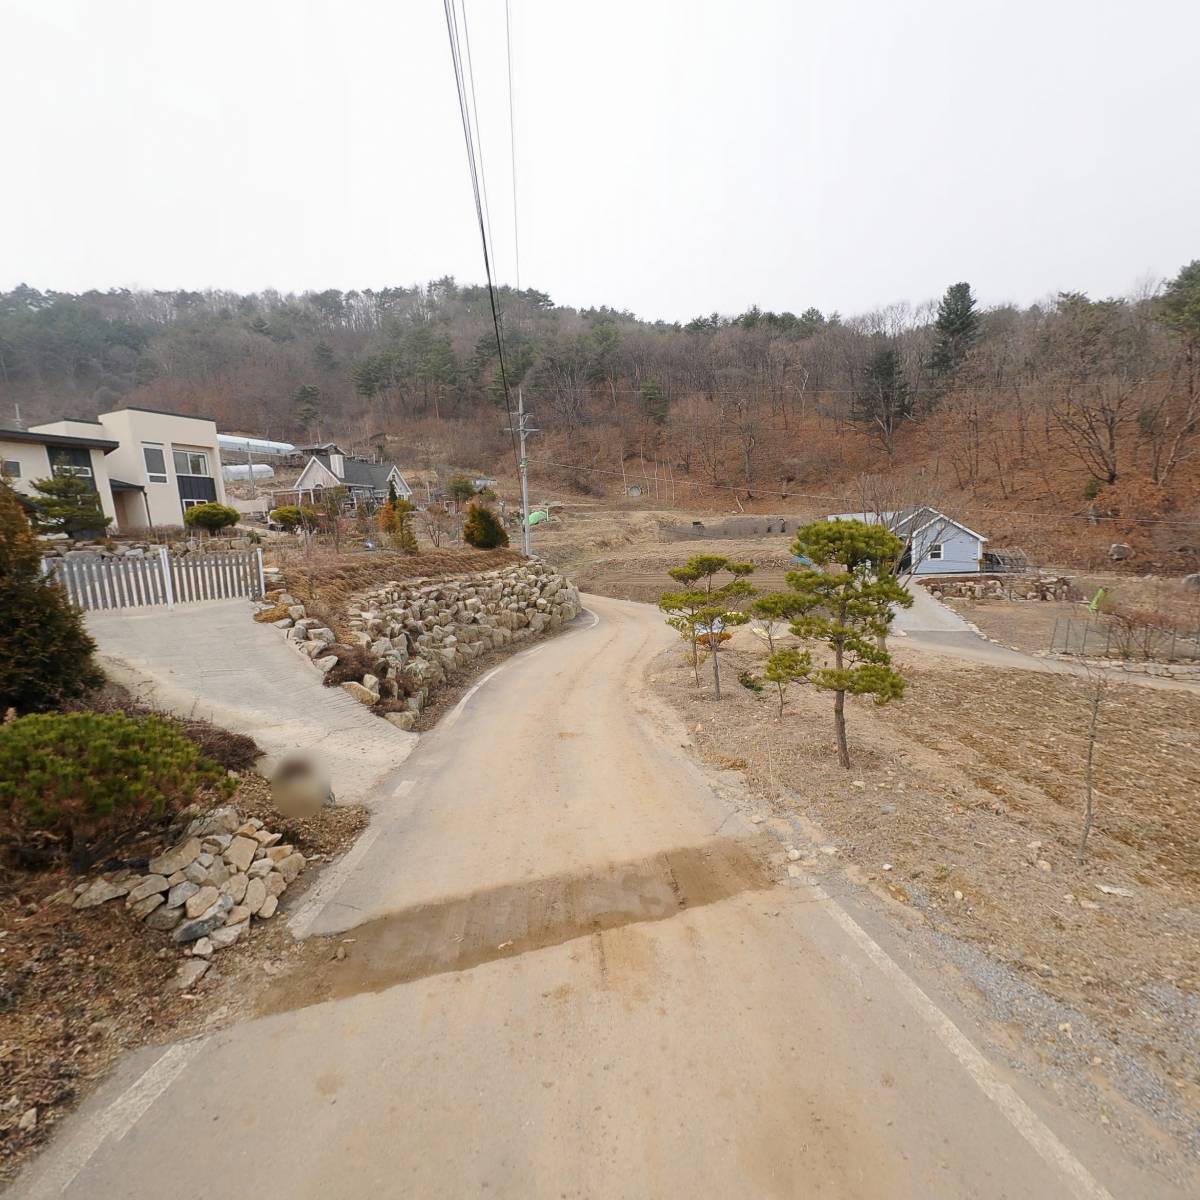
pixel 482 529
pixel 45 652
pixel 293 516
pixel 74 785
pixel 211 516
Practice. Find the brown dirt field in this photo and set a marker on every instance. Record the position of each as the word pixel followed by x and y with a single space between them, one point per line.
pixel 1028 625
pixel 973 784
pixel 78 988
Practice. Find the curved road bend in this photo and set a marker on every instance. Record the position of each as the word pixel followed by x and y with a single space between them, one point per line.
pixel 575 975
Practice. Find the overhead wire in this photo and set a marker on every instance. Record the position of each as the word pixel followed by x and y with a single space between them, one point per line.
pixel 512 143
pixel 466 107
pixel 843 499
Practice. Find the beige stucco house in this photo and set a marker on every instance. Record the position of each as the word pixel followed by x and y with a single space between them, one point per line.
pixel 26 455
pixel 147 466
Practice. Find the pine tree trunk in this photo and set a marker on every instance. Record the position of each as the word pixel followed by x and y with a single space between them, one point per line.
pixel 839 701
pixel 712 649
pixel 839 725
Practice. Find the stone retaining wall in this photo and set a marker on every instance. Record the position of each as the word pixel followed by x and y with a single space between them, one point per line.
pixel 1003 587
pixel 414 633
pixel 64 548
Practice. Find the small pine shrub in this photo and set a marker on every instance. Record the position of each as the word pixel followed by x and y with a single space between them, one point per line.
pixel 211 516
pixel 750 682
pixel 74 785
pixel 45 652
pixel 482 529
pixel 293 516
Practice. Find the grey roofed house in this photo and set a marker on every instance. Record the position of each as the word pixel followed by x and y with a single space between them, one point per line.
pixel 362 479
pixel 937 544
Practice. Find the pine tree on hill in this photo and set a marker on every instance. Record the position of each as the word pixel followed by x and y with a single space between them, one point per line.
pixel 957 328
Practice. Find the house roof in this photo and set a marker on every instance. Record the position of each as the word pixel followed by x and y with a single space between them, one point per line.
pixel 940 518
pixel 56 439
pixel 158 412
pixel 357 473
pixel 908 522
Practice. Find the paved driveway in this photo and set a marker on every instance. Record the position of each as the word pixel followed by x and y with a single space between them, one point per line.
pixel 212 661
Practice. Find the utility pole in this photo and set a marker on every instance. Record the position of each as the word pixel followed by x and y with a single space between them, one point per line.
pixel 523 429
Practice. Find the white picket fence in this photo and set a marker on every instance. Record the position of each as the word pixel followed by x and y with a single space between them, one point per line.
pixel 162 578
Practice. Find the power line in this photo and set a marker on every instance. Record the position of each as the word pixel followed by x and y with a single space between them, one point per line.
pixel 466 107
pixel 1008 512
pixel 512 143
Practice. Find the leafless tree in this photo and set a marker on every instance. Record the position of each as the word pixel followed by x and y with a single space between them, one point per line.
pixel 1098 683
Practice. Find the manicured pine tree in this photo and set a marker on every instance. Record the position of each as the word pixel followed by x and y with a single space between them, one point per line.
pixel 67 504
pixel 846 603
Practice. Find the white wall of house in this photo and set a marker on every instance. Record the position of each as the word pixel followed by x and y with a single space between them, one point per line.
pixel 314 475
pixel 136 430
pixel 33 462
pixel 945 549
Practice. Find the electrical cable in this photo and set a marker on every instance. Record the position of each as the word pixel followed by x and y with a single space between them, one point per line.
pixel 466 105
pixel 1008 512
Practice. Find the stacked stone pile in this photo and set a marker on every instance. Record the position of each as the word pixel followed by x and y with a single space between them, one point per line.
pixel 204 891
pixel 1011 587
pixel 95 549
pixel 417 631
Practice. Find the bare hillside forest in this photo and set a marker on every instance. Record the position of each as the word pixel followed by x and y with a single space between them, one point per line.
pixel 1060 428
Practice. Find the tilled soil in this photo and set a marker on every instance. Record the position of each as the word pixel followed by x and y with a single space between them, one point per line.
pixel 965 802
pixel 78 988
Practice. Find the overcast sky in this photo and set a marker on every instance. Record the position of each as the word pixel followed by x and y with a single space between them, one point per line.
pixel 674 157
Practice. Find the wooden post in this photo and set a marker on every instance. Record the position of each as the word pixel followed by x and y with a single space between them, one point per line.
pixel 164 565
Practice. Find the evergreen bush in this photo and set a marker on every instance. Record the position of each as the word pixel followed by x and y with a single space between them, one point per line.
pixel 45 652
pixel 211 516
pixel 482 529
pixel 292 516
pixel 73 785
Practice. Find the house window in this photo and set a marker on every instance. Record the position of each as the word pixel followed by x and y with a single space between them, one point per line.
pixel 191 462
pixel 10 468
pixel 156 464
pixel 935 550
pixel 192 503
pixel 71 469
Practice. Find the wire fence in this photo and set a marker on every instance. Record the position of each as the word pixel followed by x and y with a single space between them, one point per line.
pixel 1105 638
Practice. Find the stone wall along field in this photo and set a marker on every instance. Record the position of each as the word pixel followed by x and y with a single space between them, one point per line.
pixel 417 631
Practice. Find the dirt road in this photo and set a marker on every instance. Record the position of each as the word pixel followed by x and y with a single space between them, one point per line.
pixel 574 968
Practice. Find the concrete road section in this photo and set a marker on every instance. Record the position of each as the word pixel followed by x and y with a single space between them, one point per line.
pixel 932 627
pixel 213 661
pixel 576 972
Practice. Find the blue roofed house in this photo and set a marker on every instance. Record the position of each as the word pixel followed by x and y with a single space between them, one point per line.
pixel 936 544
